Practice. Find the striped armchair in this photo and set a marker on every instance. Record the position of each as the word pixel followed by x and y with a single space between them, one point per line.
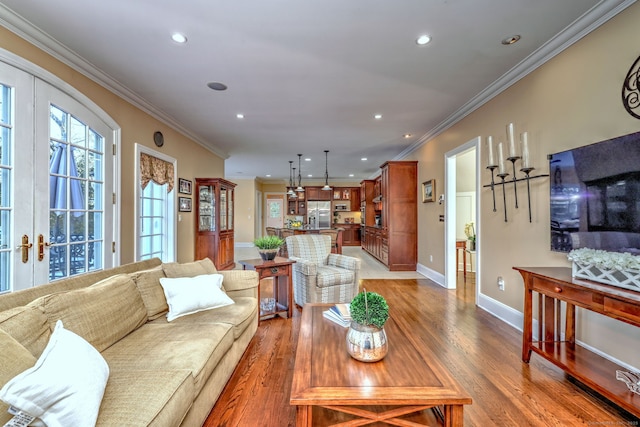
pixel 318 275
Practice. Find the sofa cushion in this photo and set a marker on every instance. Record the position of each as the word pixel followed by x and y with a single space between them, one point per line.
pixel 29 326
pixel 189 295
pixel 141 398
pixel 148 283
pixel 190 269
pixel 239 315
pixel 102 313
pixel 160 345
pixel 65 386
pixel 15 359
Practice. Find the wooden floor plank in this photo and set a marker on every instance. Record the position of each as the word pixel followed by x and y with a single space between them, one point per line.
pixel 482 353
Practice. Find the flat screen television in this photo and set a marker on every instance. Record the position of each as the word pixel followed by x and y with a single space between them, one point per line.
pixel 595 196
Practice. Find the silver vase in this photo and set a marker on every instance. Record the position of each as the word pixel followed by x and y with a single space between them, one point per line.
pixel 366 343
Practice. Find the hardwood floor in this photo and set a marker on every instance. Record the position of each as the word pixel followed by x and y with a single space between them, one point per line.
pixel 481 351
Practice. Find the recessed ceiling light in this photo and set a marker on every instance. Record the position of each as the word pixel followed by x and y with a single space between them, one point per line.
pixel 423 39
pixel 350 174
pixel 511 40
pixel 377 116
pixel 407 135
pixel 240 116
pixel 179 38
pixel 307 159
pixel 309 176
pixel 268 175
pixel 364 159
pixel 217 86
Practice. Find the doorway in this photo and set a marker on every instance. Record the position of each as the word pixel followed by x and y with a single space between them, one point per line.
pixel 461 167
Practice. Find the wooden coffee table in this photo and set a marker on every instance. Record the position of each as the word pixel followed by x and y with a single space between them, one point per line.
pixel 409 380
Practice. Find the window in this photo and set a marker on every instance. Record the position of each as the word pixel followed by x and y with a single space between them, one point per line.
pixel 156 209
pixel 76 194
pixel 6 132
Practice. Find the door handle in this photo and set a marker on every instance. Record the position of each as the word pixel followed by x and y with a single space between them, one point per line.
pixel 41 245
pixel 25 246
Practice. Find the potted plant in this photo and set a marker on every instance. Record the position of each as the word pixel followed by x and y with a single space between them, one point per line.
pixel 366 339
pixel 268 246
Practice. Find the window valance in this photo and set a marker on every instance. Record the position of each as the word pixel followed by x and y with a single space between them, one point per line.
pixel 156 170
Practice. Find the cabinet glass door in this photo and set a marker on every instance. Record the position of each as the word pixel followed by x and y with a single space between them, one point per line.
pixel 207 208
pixel 223 209
pixel 230 192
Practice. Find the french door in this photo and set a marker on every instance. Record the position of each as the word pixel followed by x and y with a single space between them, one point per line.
pixel 56 210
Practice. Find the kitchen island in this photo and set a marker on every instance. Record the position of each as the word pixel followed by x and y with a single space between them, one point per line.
pixel 284 232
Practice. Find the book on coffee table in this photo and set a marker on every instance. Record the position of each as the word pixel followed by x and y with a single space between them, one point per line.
pixel 339 313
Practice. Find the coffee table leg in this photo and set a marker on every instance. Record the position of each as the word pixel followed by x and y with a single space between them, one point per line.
pixel 453 415
pixel 304 415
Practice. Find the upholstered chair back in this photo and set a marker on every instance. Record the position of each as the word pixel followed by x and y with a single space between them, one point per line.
pixel 312 247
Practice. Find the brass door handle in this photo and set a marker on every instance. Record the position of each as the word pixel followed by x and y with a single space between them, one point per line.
pixel 41 245
pixel 25 246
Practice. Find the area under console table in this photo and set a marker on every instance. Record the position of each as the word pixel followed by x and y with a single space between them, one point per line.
pixel 554 285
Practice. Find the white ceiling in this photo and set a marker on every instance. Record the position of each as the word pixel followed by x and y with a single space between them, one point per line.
pixel 308 75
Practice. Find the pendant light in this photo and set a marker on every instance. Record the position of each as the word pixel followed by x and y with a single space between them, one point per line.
pixel 326 171
pixel 299 189
pixel 293 185
pixel 290 191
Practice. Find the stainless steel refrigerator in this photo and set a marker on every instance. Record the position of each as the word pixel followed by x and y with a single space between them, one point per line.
pixel 319 214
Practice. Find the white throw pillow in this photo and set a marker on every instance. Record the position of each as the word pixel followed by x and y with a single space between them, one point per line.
pixel 188 295
pixel 66 385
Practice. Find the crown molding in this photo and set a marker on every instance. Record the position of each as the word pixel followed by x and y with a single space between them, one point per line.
pixel 588 22
pixel 26 30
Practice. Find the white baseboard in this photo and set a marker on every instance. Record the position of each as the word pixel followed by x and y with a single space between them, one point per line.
pixel 502 311
pixel 431 274
pixel 516 319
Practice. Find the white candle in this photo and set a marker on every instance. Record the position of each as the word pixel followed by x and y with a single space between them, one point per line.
pixel 526 162
pixel 491 161
pixel 501 168
pixel 512 144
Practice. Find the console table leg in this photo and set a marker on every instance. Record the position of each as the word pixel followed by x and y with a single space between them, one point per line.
pixel 527 330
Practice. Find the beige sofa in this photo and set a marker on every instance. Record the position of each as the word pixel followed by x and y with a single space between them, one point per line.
pixel 161 373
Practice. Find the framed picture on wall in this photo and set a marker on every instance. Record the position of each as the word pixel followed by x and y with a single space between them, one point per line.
pixel 184 204
pixel 184 186
pixel 429 191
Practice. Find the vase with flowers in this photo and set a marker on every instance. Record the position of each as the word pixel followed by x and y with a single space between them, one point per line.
pixel 470 232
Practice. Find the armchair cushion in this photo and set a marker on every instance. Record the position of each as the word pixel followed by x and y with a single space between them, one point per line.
pixel 332 276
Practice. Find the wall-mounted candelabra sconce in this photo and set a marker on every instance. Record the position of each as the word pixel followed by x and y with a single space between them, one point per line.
pixel 513 156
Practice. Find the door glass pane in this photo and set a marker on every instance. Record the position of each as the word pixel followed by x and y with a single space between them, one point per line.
pixel 230 192
pixel 6 173
pixel 223 209
pixel 75 217
pixel 207 208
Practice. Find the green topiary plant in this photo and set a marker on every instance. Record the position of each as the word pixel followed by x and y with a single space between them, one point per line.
pixel 268 242
pixel 369 308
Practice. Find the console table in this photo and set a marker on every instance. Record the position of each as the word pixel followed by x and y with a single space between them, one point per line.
pixel 555 285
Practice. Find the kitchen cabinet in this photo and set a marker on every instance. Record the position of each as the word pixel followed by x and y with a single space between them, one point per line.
pixel 395 197
pixel 297 205
pixel 215 221
pixel 366 202
pixel 350 235
pixel 317 194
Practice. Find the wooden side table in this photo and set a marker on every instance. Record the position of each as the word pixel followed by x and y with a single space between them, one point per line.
pixel 462 244
pixel 280 270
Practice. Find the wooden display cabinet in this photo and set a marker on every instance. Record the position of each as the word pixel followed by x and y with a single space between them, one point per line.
pixel 214 221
